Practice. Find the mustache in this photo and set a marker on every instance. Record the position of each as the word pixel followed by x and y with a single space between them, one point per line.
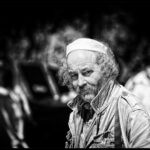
pixel 86 90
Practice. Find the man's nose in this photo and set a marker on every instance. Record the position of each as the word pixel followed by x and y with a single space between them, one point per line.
pixel 81 81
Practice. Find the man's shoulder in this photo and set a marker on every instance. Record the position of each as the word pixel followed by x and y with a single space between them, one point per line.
pixel 130 101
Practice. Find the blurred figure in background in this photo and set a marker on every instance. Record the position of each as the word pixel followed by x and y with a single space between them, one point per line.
pixel 13 106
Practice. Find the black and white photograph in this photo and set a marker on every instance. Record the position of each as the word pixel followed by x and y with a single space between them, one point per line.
pixel 74 74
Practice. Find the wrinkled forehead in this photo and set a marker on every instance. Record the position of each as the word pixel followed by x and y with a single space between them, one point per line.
pixel 81 58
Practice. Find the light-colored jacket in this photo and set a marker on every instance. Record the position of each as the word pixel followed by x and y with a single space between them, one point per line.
pixel 120 111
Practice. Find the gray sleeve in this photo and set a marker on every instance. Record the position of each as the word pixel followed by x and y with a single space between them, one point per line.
pixel 138 129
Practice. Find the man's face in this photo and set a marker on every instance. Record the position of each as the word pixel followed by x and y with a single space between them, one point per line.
pixel 85 73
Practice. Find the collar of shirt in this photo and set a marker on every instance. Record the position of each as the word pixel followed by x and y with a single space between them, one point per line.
pixel 101 100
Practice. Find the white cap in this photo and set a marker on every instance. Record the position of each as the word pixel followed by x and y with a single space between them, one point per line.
pixel 86 44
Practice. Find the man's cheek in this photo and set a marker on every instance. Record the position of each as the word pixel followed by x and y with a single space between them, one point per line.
pixel 76 89
pixel 92 81
pixel 74 85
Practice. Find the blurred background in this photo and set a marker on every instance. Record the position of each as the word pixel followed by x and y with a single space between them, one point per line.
pixel 33 36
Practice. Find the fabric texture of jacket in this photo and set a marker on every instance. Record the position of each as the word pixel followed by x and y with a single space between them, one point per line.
pixel 100 130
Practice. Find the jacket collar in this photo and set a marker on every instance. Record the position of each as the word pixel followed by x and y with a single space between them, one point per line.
pixel 99 103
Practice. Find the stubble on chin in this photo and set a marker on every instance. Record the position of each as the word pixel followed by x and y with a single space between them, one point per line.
pixel 88 98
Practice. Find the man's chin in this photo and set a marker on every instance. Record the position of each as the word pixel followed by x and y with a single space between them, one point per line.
pixel 88 98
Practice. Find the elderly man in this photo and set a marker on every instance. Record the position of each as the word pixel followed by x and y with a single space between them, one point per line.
pixel 105 114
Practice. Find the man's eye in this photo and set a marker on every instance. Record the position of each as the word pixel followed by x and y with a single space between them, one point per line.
pixel 87 73
pixel 74 76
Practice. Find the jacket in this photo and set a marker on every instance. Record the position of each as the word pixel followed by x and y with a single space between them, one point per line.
pixel 121 111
